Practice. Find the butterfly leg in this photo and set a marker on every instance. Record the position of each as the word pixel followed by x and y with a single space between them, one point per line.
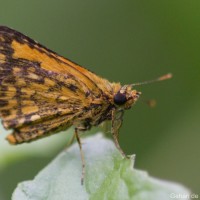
pixel 116 124
pixel 82 155
pixel 116 141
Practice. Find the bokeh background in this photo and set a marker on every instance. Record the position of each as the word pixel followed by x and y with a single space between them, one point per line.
pixel 127 41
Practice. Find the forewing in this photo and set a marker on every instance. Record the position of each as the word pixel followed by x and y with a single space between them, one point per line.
pixel 39 90
pixel 46 127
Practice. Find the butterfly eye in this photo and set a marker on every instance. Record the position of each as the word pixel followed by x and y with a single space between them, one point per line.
pixel 120 98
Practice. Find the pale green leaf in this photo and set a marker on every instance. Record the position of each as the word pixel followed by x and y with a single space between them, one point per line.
pixel 108 177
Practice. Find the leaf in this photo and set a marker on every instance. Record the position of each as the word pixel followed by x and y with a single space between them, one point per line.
pixel 108 176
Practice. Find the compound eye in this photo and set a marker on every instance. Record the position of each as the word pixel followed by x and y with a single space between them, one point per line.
pixel 120 99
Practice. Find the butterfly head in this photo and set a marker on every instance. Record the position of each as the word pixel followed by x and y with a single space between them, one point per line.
pixel 126 97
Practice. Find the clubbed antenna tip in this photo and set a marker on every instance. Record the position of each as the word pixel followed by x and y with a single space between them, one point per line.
pixel 165 77
pixel 161 78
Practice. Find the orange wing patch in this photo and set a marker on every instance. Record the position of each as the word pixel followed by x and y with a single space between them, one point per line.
pixel 50 62
pixel 53 62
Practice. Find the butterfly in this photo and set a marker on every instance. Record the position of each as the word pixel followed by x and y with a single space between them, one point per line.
pixel 42 93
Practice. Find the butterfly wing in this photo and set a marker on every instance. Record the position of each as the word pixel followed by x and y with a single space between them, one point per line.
pixel 40 91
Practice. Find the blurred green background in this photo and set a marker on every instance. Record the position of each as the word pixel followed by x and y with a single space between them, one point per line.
pixel 126 41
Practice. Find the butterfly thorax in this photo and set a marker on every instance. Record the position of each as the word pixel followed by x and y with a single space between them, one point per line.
pixel 102 108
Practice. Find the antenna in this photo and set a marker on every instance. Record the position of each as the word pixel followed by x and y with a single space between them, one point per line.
pixel 161 78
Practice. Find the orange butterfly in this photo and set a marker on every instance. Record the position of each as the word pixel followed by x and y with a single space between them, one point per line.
pixel 42 93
